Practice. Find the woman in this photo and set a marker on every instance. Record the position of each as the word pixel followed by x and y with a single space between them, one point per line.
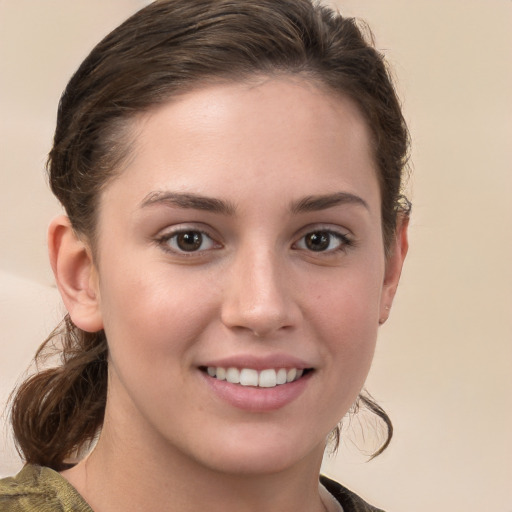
pixel 234 236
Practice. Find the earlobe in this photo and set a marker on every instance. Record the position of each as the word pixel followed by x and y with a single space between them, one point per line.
pixel 75 274
pixel 394 264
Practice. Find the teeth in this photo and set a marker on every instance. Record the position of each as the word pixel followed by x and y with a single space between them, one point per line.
pixel 281 376
pixel 233 375
pixel 248 377
pixel 268 378
pixel 290 376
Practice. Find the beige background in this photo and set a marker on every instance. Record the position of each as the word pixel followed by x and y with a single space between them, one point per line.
pixel 443 368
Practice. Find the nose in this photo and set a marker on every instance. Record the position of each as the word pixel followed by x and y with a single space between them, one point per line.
pixel 259 296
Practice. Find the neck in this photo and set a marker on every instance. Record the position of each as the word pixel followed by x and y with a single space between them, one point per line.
pixel 123 474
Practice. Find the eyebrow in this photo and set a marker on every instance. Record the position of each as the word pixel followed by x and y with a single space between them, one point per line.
pixel 211 204
pixel 187 200
pixel 323 202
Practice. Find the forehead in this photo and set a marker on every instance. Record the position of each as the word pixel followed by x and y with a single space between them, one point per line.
pixel 283 132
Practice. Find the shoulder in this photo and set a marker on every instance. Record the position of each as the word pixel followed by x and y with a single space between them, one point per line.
pixel 40 489
pixel 349 501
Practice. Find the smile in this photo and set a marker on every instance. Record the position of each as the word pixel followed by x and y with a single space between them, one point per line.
pixel 268 378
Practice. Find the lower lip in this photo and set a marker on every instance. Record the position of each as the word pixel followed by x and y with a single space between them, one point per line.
pixel 255 399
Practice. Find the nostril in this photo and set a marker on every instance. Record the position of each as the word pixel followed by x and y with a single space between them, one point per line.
pixel 257 297
pixel 261 321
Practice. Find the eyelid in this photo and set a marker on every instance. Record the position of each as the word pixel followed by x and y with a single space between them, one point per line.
pixel 344 236
pixel 167 234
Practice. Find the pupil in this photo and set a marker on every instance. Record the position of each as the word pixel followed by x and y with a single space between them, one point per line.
pixel 189 241
pixel 317 241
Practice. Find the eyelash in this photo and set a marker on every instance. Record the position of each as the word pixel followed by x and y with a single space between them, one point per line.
pixel 164 241
pixel 344 241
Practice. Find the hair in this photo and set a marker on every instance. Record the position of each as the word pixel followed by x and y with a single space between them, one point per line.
pixel 163 50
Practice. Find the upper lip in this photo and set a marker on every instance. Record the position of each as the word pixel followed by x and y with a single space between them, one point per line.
pixel 259 362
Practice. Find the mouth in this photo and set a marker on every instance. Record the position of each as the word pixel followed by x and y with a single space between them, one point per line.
pixel 250 377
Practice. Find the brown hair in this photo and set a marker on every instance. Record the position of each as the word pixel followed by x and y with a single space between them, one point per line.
pixel 163 50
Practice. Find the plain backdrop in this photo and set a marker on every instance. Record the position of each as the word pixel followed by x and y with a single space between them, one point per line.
pixel 443 367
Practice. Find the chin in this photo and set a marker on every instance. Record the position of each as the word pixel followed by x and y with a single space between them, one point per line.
pixel 260 454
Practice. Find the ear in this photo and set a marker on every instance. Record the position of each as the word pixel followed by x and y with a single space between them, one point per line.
pixel 394 263
pixel 75 274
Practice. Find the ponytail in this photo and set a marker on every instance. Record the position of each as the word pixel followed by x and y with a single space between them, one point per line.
pixel 57 411
pixel 365 402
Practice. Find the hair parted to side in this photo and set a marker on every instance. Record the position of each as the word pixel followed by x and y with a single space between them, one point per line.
pixel 163 50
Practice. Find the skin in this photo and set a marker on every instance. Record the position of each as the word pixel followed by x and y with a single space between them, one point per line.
pixel 253 289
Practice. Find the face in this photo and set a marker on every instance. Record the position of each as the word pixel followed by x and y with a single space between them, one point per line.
pixel 242 241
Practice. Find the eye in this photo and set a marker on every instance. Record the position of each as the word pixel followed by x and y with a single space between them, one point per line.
pixel 186 241
pixel 323 241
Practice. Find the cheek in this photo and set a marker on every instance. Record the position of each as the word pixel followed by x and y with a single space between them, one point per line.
pixel 152 324
pixel 150 315
pixel 345 313
pixel 349 302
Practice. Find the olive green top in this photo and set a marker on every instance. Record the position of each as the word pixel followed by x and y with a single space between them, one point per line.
pixel 40 489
